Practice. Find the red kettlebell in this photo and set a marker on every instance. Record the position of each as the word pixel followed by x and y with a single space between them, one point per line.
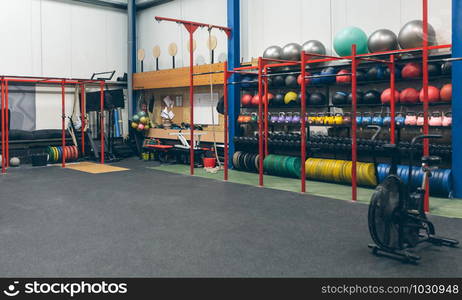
pixel 307 80
pixel 246 99
pixel 433 94
pixel 420 119
pixel 436 119
pixel 411 119
pixel 446 92
pixel 386 96
pixel 411 70
pixel 343 78
pixel 409 95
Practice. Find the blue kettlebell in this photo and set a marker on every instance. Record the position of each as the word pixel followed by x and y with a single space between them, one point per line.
pixel 359 119
pixel 386 120
pixel 400 120
pixel 367 119
pixel 377 119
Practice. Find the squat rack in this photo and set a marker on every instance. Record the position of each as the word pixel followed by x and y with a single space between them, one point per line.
pixel 63 82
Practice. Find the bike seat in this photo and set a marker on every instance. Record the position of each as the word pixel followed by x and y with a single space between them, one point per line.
pixel 431 161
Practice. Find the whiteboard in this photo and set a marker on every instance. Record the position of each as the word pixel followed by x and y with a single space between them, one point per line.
pixel 205 112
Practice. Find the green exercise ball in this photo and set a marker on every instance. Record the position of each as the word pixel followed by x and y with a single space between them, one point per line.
pixel 347 37
pixel 142 114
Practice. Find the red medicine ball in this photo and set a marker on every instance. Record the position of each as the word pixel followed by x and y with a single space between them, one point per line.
pixel 255 100
pixel 409 95
pixel 411 70
pixel 270 97
pixel 246 99
pixel 446 92
pixel 433 94
pixel 344 78
pixel 386 96
pixel 307 80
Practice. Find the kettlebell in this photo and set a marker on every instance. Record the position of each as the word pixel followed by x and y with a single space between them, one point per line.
pixel 386 120
pixel 411 119
pixel 239 119
pixel 447 119
pixel 281 118
pixel 319 119
pixel 247 118
pixel 254 117
pixel 359 119
pixel 296 118
pixel 436 119
pixel 377 119
pixel 329 119
pixel 338 119
pixel 367 119
pixel 420 119
pixel 311 119
pixel 288 118
pixel 346 118
pixel 399 120
pixel 274 118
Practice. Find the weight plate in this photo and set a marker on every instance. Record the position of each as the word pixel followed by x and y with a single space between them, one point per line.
pixel 257 162
pixel 235 159
pixel 241 161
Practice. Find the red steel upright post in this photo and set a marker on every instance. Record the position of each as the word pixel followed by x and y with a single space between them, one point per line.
pixel 101 106
pixel 7 129
pixel 303 126
pixel 191 101
pixel 3 126
pixel 353 123
pixel 63 124
pixel 266 111
pixel 426 146
pixel 225 118
pixel 82 118
pixel 392 103
pixel 260 121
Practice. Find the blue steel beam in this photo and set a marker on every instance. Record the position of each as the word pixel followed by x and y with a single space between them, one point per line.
pixel 234 54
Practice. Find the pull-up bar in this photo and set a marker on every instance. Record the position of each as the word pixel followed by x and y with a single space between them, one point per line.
pixel 191 27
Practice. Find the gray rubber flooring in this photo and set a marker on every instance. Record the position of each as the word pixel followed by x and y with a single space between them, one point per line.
pixel 142 222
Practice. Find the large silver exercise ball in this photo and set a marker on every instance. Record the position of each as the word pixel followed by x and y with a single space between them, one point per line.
pixel 14 162
pixel 382 40
pixel 291 51
pixel 273 52
pixel 315 47
pixel 411 35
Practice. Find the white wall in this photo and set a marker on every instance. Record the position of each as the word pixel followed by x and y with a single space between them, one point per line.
pixel 151 33
pixel 60 39
pixel 268 22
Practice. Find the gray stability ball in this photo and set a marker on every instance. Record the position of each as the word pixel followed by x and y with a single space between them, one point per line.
pixel 315 47
pixel 273 52
pixel 382 40
pixel 411 35
pixel 292 52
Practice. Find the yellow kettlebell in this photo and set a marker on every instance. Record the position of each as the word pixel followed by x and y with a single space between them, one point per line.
pixel 338 119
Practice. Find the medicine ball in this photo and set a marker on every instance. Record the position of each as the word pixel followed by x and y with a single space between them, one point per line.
pixel 386 96
pixel 386 72
pixel 299 98
pixel 246 99
pixel 278 80
pixel 255 100
pixel 291 81
pixel 339 98
pixel 434 69
pixel 15 161
pixel 446 68
pixel 343 78
pixel 376 73
pixel 446 92
pixel 278 100
pixel 409 95
pixel 359 97
pixel 300 80
pixel 328 71
pixel 290 97
pixel 411 70
pixel 372 97
pixel 360 75
pixel 433 94
pixel 316 80
pixel 317 99
pixel 270 98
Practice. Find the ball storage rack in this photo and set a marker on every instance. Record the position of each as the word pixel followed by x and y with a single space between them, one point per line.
pixel 5 80
pixel 261 70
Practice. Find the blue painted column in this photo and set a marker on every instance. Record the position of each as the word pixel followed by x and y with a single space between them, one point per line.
pixel 457 98
pixel 234 55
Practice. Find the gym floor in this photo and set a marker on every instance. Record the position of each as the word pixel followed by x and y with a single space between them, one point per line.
pixel 148 222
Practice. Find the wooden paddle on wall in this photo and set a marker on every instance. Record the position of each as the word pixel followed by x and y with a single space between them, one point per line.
pixel 173 50
pixel 141 56
pixel 212 45
pixel 156 54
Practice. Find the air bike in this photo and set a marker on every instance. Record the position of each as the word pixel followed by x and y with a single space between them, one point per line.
pixel 397 220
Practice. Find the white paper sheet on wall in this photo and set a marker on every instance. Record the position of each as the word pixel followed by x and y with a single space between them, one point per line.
pixel 204 109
